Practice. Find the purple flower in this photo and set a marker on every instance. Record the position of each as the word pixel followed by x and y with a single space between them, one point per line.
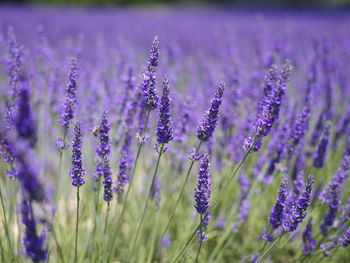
pixel 299 128
pixel 24 121
pixel 150 97
pixel 207 125
pixel 309 242
pixel 318 128
pixel 277 210
pixel 270 105
pixel 123 176
pixel 70 102
pixel 335 187
pixel 14 63
pixel 200 232
pixel 107 182
pixel 104 148
pixel 77 172
pixel 320 153
pixel 27 167
pixel 340 240
pixel 164 130
pixel 202 191
pixel 34 244
pixel 294 216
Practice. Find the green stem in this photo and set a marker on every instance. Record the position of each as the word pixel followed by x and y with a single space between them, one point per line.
pixel 180 194
pixel 147 200
pixel 77 228
pixel 121 217
pixel 216 202
pixel 6 225
pixel 270 248
pixel 106 223
pixel 200 241
pixel 59 249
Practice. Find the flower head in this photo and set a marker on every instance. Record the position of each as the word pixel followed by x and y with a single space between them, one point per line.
pixel 71 97
pixel 202 191
pixel 164 130
pixel 77 172
pixel 207 126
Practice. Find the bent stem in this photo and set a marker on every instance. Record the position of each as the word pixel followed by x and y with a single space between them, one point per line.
pixel 77 228
pixel 147 201
pixel 6 225
pixel 271 247
pixel 121 217
pixel 217 200
pixel 180 194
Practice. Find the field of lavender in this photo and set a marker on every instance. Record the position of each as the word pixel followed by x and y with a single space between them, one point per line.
pixel 174 135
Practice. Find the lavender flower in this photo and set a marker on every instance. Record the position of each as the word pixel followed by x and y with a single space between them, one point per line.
pixel 201 232
pixel 294 216
pixel 335 187
pixel 123 177
pixel 299 128
pixel 69 106
pixel 341 240
pixel 320 153
pixel 309 242
pixel 8 155
pixel 27 167
pixel 269 111
pixel 277 210
pixel 269 107
pixel 24 121
pixel 202 191
pixel 107 182
pixel 318 128
pixel 207 125
pixel 150 97
pixel 164 130
pixel 77 172
pixel 34 244
pixel 104 148
pixel 14 63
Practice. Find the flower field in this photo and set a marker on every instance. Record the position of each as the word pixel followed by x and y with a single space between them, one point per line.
pixel 174 135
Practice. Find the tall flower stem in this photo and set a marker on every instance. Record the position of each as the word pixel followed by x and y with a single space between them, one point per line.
pixel 201 242
pixel 60 164
pixel 217 200
pixel 106 222
pixel 147 200
pixel 77 228
pixel 270 247
pixel 120 220
pixel 180 194
pixel 6 225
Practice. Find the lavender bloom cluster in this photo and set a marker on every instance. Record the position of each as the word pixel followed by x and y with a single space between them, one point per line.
pixel 207 126
pixel 77 172
pixel 164 131
pixel 150 96
pixel 70 102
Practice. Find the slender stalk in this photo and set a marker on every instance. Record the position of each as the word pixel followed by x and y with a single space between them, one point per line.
pixel 60 163
pixel 6 225
pixel 106 223
pixel 121 217
pixel 59 249
pixel 180 194
pixel 217 200
pixel 271 247
pixel 77 228
pixel 147 200
pixel 200 242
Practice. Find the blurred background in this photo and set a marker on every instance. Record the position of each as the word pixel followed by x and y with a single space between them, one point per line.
pixel 250 3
